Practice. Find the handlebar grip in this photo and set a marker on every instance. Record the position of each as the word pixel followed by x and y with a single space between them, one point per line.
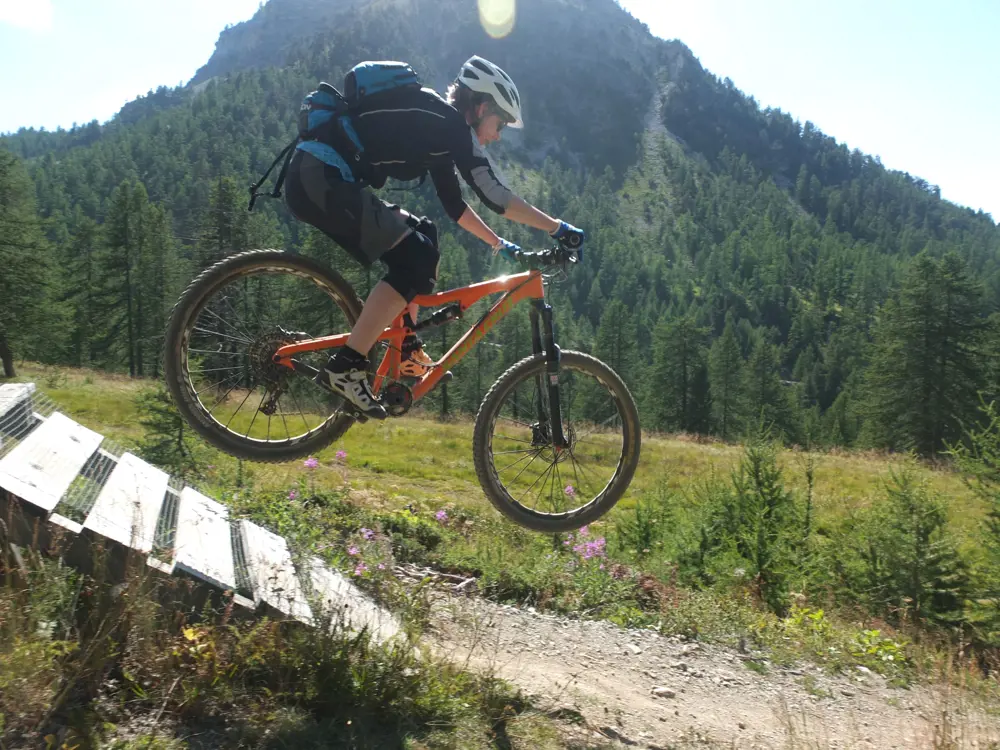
pixel 573 241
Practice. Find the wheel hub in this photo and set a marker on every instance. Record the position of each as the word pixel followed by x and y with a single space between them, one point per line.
pixel 541 437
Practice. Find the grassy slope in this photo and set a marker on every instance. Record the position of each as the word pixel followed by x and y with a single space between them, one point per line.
pixel 420 459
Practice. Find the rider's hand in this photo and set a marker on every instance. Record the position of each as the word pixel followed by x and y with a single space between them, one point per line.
pixel 507 250
pixel 569 236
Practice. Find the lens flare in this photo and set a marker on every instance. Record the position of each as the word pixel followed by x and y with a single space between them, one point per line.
pixel 497 17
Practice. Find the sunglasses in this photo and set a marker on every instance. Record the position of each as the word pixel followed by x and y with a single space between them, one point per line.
pixel 504 118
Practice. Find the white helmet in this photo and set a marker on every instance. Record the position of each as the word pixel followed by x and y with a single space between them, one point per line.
pixel 486 78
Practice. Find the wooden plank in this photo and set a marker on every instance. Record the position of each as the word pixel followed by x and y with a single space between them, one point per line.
pixel 272 574
pixel 12 394
pixel 42 467
pixel 338 599
pixel 203 545
pixel 15 410
pixel 129 504
pixel 66 523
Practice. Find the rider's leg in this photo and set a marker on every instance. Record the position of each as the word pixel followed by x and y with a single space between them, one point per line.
pixel 412 265
pixel 327 197
pixel 415 361
pixel 382 306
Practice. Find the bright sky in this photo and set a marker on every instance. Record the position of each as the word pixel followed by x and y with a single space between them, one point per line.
pixel 916 82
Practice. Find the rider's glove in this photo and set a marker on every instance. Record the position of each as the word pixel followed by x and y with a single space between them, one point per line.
pixel 507 250
pixel 568 236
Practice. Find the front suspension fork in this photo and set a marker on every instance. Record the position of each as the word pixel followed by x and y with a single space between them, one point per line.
pixel 543 342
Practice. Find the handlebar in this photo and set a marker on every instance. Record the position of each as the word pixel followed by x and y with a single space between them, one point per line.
pixel 556 256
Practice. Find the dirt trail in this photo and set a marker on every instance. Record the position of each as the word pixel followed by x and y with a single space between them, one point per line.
pixel 707 694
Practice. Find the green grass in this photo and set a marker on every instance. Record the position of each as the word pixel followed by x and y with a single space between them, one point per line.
pixel 420 458
pixel 397 474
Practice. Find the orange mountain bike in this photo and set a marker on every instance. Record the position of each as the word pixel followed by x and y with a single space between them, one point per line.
pixel 556 440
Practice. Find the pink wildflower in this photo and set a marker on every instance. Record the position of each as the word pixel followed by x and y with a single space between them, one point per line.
pixel 311 463
pixel 292 495
pixel 587 550
pixel 582 531
pixel 441 516
pixel 381 566
pixel 368 534
pixel 353 551
pixel 360 569
pixel 341 454
pixel 570 490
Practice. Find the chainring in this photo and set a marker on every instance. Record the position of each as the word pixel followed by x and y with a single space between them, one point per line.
pixel 397 398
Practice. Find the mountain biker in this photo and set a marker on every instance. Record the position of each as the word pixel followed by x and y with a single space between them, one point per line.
pixel 414 133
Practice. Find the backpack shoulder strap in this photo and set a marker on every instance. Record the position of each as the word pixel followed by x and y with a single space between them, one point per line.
pixel 286 154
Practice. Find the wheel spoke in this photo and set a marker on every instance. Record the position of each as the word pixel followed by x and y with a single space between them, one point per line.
pixel 215 369
pixel 516 440
pixel 206 351
pixel 544 473
pixel 222 335
pixel 222 384
pixel 249 336
pixel 525 467
pixel 510 466
pixel 231 416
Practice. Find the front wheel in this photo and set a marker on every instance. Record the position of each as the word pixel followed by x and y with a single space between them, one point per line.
pixel 527 477
pixel 219 345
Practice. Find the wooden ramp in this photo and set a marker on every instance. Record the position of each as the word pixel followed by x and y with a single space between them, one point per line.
pixel 131 505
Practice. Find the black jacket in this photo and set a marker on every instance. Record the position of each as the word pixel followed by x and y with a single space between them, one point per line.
pixel 412 132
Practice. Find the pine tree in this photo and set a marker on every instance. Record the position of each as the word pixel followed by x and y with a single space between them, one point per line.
pixel 766 401
pixel 226 228
pixel 127 233
pixel 913 568
pixel 675 389
pixel 24 266
pixel 157 287
pixel 616 341
pixel 927 367
pixel 725 379
pixel 80 272
pixel 168 442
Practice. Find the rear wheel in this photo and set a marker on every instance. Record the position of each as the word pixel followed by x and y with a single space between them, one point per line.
pixel 528 478
pixel 219 345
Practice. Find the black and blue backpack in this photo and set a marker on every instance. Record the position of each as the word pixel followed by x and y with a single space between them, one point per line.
pixel 325 115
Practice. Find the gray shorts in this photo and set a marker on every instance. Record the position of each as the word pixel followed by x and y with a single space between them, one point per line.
pixel 351 215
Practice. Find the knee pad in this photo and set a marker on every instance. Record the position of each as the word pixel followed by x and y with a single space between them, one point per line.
pixel 413 265
pixel 425 226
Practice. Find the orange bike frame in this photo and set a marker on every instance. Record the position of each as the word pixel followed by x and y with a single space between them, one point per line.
pixel 527 285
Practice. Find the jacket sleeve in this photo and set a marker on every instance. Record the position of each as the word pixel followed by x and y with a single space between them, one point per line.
pixel 477 171
pixel 448 190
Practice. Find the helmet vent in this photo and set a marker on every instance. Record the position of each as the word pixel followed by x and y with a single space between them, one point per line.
pixel 505 94
pixel 482 66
